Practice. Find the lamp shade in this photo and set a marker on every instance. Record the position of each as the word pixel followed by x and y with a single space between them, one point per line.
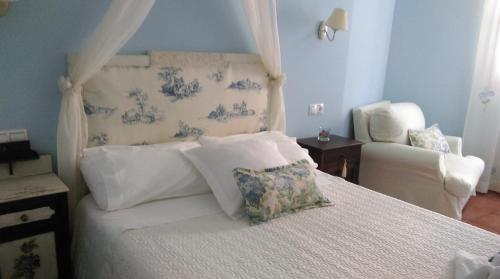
pixel 338 20
pixel 4 6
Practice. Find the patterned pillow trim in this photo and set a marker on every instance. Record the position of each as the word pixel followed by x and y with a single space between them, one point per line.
pixel 275 192
pixel 431 138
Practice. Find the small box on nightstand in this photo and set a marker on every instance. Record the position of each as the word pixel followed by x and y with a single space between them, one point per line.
pixel 34 229
pixel 340 156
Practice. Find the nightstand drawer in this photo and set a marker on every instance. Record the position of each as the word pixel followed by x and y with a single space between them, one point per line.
pixel 340 156
pixel 337 157
pixel 26 216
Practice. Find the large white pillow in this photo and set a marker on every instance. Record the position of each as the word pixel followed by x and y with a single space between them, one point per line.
pixel 391 124
pixel 124 176
pixel 217 161
pixel 385 126
pixel 287 146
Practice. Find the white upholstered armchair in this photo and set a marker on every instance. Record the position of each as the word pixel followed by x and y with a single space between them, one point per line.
pixel 440 182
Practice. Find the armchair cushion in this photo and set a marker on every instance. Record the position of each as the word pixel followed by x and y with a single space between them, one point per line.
pixel 410 116
pixel 361 119
pixel 391 122
pixel 462 174
pixel 455 144
pixel 418 160
pixel 385 126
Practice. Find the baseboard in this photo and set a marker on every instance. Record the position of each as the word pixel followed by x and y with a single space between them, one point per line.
pixel 495 187
pixel 482 187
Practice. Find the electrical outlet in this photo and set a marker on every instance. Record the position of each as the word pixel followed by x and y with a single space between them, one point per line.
pixel 316 109
pixel 13 135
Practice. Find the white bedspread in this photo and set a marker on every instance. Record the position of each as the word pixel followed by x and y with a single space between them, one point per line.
pixel 365 235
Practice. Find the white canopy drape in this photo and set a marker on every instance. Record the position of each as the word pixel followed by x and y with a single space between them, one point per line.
pixel 263 21
pixel 482 124
pixel 120 22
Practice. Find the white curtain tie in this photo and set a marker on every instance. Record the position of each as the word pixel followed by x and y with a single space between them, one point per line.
pixel 278 81
pixel 66 86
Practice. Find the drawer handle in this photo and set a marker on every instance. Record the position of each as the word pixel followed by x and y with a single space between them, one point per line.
pixel 24 218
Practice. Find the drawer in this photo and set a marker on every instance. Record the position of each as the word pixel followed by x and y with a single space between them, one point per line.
pixel 26 216
pixel 336 157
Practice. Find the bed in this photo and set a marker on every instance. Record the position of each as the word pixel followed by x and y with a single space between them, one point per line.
pixel 365 235
pixel 170 96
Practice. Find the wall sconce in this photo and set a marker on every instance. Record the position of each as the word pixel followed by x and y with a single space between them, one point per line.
pixel 338 20
pixel 4 6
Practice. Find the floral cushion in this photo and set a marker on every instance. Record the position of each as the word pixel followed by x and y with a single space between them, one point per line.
pixel 275 192
pixel 430 138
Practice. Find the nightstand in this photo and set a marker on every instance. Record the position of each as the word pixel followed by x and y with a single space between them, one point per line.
pixel 34 230
pixel 340 156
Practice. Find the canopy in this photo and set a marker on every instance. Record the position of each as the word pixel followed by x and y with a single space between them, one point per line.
pixel 119 24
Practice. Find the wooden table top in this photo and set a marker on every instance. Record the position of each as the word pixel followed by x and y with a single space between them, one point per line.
pixel 335 142
pixel 12 189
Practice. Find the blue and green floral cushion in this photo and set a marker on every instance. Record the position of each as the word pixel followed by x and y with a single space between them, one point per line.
pixel 275 192
pixel 431 138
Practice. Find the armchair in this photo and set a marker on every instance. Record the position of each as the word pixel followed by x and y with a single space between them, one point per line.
pixel 439 182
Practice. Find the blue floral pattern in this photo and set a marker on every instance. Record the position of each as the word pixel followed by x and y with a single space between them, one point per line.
pixel 186 131
pixel 141 143
pixel 239 110
pixel 96 110
pixel 175 86
pixel 174 97
pixel 245 84
pixel 217 76
pixel 142 114
pixel 431 138
pixel 263 119
pixel 100 139
pixel 26 264
pixel 486 96
pixel 275 192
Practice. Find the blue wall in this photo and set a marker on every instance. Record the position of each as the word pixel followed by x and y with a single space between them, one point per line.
pixel 368 54
pixel 316 69
pixel 432 58
pixel 36 35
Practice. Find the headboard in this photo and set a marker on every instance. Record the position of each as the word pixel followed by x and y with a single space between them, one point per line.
pixel 175 96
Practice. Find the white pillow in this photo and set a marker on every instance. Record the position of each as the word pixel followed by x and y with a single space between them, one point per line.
pixel 124 176
pixel 287 146
pixel 217 161
pixel 385 126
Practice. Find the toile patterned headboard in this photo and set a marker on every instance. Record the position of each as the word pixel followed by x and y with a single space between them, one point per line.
pixel 175 96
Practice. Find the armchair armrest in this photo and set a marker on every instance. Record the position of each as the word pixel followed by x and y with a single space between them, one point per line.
pixel 414 159
pixel 455 144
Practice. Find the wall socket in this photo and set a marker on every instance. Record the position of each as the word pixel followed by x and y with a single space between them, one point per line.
pixel 316 109
pixel 13 135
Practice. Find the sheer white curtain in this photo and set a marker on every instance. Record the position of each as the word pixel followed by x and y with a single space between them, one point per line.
pixel 120 22
pixel 481 132
pixel 263 21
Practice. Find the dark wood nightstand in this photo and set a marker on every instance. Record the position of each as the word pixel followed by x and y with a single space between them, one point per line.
pixel 34 230
pixel 340 156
